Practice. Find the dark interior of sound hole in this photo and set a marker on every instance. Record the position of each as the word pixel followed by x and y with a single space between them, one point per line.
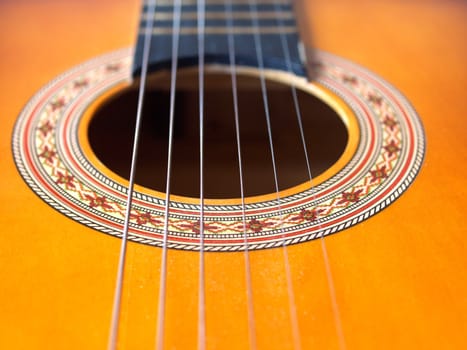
pixel 111 135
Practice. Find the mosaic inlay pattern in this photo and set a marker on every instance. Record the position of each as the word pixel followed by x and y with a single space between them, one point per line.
pixel 49 157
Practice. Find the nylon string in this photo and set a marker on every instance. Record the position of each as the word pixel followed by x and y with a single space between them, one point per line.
pixel 116 309
pixel 173 84
pixel 233 73
pixel 290 290
pixel 201 8
pixel 335 307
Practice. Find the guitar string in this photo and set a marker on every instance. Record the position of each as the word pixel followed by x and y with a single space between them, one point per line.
pixel 201 8
pixel 290 290
pixel 146 50
pixel 173 83
pixel 233 73
pixel 330 280
pixel 116 309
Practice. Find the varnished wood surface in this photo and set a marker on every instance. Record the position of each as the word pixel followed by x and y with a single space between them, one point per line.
pixel 399 277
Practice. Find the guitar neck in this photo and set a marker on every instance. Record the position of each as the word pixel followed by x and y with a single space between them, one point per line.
pixel 261 33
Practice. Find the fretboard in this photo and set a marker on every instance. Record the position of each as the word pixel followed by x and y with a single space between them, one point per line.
pixel 265 25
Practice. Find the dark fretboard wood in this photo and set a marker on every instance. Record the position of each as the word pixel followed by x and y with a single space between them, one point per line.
pixel 271 20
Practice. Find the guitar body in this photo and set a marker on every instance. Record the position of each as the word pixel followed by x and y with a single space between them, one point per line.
pixel 398 277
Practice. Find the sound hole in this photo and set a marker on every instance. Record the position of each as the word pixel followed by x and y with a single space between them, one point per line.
pixel 111 136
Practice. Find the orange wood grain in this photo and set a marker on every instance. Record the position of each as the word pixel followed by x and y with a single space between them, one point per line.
pixel 399 277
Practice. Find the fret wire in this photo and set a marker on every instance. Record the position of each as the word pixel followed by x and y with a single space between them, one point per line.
pixel 220 23
pixel 249 293
pixel 219 2
pixel 220 15
pixel 290 290
pixel 211 8
pixel 223 31
pixel 201 295
pixel 163 274
pixel 337 319
pixel 116 309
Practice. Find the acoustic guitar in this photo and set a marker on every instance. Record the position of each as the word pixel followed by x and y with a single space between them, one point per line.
pixel 310 204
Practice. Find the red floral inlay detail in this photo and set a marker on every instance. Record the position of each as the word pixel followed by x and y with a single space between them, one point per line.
pixel 80 83
pixel 48 154
pixel 256 225
pixel 145 218
pixel 196 226
pixel 392 148
pixel 67 180
pixel 377 100
pixel 378 174
pixel 45 128
pixel 58 104
pixel 349 79
pixel 390 122
pixel 350 197
pixel 114 67
pixel 98 201
pixel 309 215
